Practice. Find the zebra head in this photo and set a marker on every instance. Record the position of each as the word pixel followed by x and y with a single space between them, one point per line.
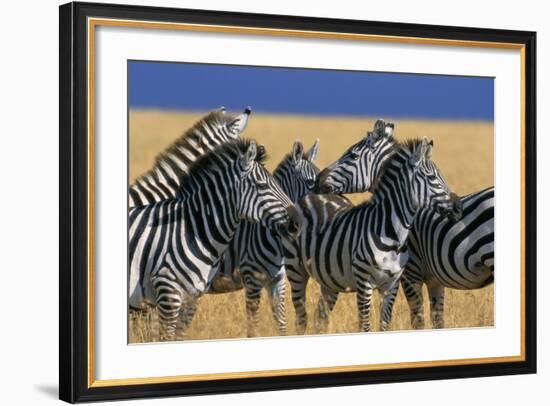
pixel 235 125
pixel 261 199
pixel 428 188
pixel 225 125
pixel 297 173
pixel 219 126
pixel 359 167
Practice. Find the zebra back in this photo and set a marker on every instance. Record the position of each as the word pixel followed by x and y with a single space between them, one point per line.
pixel 455 254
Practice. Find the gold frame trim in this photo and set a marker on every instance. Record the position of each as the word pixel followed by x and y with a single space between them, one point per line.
pixel 94 22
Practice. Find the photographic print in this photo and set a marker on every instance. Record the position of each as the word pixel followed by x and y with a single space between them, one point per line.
pixel 273 201
pixel 256 202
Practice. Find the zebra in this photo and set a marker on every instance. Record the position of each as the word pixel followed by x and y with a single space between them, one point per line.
pixel 175 245
pixel 355 169
pixel 255 256
pixel 359 248
pixel 162 181
pixel 446 253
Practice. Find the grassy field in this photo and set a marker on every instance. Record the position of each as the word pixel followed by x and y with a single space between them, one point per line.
pixel 462 150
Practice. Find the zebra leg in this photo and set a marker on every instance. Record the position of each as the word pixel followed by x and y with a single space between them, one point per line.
pixel 386 306
pixel 415 299
pixel 169 302
pixel 298 284
pixel 326 303
pixel 437 301
pixel 189 308
pixel 364 300
pixel 277 292
pixel 252 292
pixel 298 278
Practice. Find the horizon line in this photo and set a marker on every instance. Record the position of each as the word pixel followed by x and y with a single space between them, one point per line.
pixel 318 115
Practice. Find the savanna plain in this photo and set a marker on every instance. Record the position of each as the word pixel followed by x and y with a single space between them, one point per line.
pixel 463 151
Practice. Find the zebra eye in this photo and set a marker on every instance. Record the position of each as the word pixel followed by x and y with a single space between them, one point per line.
pixel 354 155
pixel 310 183
pixel 262 184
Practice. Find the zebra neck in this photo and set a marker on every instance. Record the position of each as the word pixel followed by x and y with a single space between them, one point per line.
pixel 286 184
pixel 392 204
pixel 213 212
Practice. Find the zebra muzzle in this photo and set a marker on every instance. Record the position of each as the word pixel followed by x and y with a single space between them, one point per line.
pixel 293 225
pixel 452 209
pixel 325 189
pixel 457 208
pixel 322 184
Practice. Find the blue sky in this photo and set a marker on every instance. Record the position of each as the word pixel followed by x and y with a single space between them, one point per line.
pixel 203 87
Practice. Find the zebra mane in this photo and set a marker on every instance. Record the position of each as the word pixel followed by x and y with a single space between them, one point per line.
pixel 407 146
pixel 214 118
pixel 232 148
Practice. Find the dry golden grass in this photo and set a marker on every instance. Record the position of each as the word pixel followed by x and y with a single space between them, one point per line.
pixel 463 151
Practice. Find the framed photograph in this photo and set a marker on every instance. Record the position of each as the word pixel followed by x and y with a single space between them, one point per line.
pixel 257 202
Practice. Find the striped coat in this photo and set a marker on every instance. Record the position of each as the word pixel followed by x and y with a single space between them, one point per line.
pixel 449 253
pixel 176 245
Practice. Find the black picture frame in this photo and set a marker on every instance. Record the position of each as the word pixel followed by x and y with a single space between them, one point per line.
pixel 74 200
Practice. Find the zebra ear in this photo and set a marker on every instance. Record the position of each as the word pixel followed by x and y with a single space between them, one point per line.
pixel 371 138
pixel 420 152
pixel 379 126
pixel 428 152
pixel 313 151
pixel 426 148
pixel 297 152
pixel 247 160
pixel 389 130
pixel 376 133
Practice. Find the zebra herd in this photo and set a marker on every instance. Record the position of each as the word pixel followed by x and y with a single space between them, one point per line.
pixel 209 218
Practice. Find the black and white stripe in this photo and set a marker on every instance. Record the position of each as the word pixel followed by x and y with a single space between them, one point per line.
pixel 175 245
pixel 162 181
pixel 445 253
pixel 255 256
pixel 358 249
